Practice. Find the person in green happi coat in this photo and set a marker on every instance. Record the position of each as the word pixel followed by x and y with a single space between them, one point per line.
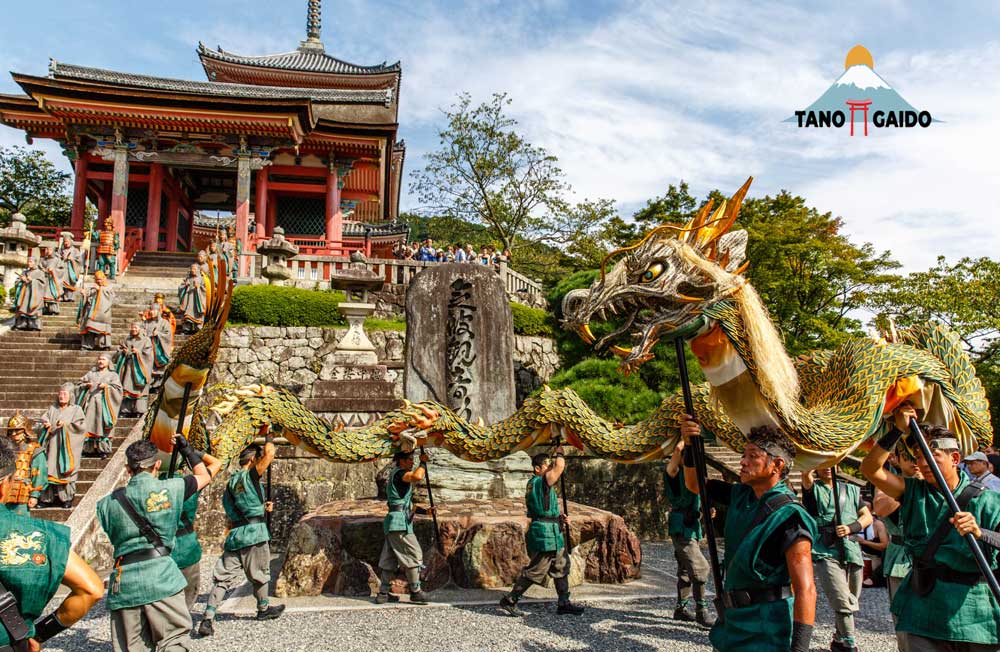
pixel 186 552
pixel 943 603
pixel 768 602
pixel 544 538
pixel 146 588
pixel 684 528
pixel 837 562
pixel 400 548
pixel 35 558
pixel 246 551
pixel 896 563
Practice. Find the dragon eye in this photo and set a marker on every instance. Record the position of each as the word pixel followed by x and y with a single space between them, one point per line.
pixel 652 272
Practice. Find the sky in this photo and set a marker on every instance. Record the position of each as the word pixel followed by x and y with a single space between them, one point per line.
pixel 630 96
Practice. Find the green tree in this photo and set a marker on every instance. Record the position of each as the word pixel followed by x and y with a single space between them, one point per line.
pixel 486 173
pixel 31 184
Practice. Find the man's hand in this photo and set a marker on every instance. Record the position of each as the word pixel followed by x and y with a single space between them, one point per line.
pixel 965 523
pixel 563 520
pixel 842 531
pixel 33 645
pixel 59 424
pixel 180 442
pixel 269 506
pixel 690 428
pixel 559 450
pixel 102 386
pixel 46 423
pixel 903 414
pixel 424 458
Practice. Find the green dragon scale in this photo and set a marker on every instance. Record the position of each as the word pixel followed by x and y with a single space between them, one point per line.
pixel 676 282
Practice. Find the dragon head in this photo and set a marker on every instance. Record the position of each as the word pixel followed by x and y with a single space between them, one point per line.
pixel 660 287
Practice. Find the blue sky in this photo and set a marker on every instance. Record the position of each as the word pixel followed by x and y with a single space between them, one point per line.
pixel 631 96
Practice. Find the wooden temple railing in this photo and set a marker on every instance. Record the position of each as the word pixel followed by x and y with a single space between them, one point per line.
pixel 132 244
pixel 311 268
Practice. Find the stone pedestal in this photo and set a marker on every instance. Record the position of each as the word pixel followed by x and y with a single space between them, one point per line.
pixel 355 348
pixel 15 240
pixel 335 549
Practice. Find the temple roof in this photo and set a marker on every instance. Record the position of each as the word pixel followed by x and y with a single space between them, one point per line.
pixel 66 71
pixel 311 59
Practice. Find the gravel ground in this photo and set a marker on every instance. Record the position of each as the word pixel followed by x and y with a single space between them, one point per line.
pixel 614 620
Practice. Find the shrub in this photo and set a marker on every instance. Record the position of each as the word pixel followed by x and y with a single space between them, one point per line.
pixel 272 305
pixel 3 295
pixel 532 321
pixel 607 391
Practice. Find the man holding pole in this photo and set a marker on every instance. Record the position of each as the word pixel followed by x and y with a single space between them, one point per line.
pixel 837 560
pixel 768 547
pixel 401 548
pixel 544 539
pixel 945 603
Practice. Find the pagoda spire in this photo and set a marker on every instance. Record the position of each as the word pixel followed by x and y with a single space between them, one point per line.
pixel 314 24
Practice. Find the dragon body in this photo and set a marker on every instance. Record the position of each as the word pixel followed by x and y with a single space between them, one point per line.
pixel 677 282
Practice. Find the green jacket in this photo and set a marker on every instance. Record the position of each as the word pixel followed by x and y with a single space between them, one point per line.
pixel 398 520
pixel 763 627
pixel 542 501
pixel 896 562
pixel 244 499
pixel 143 582
pixel 187 550
pixel 684 506
pixel 826 515
pixel 33 556
pixel 951 611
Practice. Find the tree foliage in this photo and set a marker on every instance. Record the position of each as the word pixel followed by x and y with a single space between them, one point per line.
pixel 484 172
pixel 31 184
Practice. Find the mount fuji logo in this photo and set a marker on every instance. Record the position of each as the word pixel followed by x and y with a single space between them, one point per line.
pixel 860 96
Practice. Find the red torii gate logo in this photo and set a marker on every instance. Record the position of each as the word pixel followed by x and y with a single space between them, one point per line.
pixel 881 105
pixel 859 105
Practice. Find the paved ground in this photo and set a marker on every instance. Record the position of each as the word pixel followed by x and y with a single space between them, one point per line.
pixel 633 618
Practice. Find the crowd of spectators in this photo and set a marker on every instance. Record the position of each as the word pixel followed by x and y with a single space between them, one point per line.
pixel 428 253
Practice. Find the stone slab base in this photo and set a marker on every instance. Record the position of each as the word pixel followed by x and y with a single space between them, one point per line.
pixel 335 549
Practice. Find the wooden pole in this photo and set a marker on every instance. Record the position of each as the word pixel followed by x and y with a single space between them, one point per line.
pixel 180 428
pixel 430 499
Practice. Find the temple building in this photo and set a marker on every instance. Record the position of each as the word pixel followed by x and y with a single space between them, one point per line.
pixel 300 140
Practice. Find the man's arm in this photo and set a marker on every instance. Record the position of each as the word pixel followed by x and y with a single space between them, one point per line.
pixel 883 505
pixel 269 451
pixel 798 556
pixel 557 468
pixel 418 474
pixel 873 466
pixel 196 461
pixel 881 541
pixel 674 464
pixel 85 590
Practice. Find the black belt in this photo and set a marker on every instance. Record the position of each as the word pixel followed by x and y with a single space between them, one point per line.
pixel 246 521
pixel 746 598
pixel 397 508
pixel 546 519
pixel 184 531
pixel 954 577
pixel 142 555
pixel 402 508
pixel 897 539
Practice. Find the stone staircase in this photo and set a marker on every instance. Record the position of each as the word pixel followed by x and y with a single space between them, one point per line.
pixel 36 363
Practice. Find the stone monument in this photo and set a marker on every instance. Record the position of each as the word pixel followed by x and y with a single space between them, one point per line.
pixel 356 281
pixel 278 252
pixel 459 352
pixel 15 242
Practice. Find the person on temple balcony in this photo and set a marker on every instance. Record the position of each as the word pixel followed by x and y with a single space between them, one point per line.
pixel 73 259
pixel 99 393
pixel 94 315
pixel 193 297
pixel 55 275
pixel 135 369
pixel 28 290
pixel 61 434
pixel 107 249
pixel 160 332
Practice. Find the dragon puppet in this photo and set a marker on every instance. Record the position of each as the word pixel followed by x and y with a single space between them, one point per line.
pixel 677 282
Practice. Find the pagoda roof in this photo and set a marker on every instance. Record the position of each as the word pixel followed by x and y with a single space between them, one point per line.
pixel 65 71
pixel 308 58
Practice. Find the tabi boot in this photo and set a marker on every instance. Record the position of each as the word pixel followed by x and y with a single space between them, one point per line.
pixel 567 608
pixel 272 612
pixel 383 597
pixel 206 628
pixel 509 605
pixel 419 597
pixel 681 612
pixel 702 615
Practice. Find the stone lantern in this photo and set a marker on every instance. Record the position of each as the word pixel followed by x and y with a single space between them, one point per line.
pixel 15 241
pixel 356 281
pixel 278 252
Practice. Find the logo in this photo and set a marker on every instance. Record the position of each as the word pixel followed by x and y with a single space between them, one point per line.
pixel 157 501
pixel 861 97
pixel 17 549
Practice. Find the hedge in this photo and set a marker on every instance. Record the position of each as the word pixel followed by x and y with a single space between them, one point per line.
pixel 273 305
pixel 3 295
pixel 532 321
pixel 607 391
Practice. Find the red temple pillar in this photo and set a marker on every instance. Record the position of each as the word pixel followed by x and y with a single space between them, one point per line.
pixel 272 213
pixel 103 208
pixel 173 210
pixel 79 196
pixel 261 208
pixel 242 202
pixel 334 217
pixel 119 197
pixel 152 237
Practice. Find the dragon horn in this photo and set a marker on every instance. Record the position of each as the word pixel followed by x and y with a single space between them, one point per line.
pixel 732 212
pixel 694 226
